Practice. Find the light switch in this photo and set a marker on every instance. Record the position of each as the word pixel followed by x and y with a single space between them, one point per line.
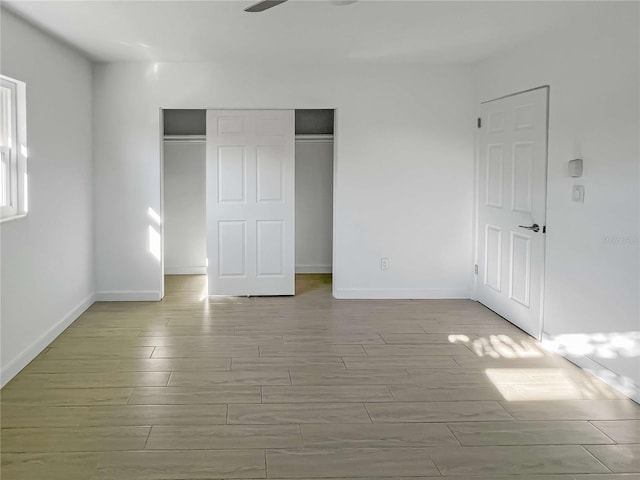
pixel 578 193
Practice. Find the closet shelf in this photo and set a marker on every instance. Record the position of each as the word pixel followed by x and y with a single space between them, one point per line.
pixel 307 138
pixel 185 138
pixel 203 138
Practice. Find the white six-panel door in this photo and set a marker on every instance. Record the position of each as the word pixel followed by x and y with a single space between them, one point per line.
pixel 250 202
pixel 512 196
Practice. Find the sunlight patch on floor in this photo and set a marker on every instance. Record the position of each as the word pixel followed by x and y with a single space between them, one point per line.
pixel 204 293
pixel 524 384
pixel 499 346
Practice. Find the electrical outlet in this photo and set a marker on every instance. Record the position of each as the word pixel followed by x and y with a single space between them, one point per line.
pixel 384 264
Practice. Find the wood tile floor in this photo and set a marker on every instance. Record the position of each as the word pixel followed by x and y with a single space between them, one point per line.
pixel 308 387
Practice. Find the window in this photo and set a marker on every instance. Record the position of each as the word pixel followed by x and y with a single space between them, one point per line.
pixel 13 149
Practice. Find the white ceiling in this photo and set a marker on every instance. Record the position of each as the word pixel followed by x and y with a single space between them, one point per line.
pixel 297 31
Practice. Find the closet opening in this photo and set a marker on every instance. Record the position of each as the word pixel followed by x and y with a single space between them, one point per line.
pixel 314 151
pixel 184 199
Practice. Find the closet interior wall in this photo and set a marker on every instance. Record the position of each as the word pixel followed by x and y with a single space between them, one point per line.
pixel 184 192
pixel 314 191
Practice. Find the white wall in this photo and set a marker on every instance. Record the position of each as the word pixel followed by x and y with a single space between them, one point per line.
pixel 404 166
pixel 47 274
pixel 592 263
pixel 185 242
pixel 314 206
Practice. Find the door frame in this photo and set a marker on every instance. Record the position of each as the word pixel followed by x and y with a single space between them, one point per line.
pixel 333 192
pixel 476 203
pixel 161 212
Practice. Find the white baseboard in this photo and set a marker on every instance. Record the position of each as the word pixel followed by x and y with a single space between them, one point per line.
pixel 12 368
pixel 185 270
pixel 128 296
pixel 401 293
pixel 313 268
pixel 622 384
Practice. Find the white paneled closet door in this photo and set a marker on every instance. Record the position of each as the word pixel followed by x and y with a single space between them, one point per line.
pixel 250 202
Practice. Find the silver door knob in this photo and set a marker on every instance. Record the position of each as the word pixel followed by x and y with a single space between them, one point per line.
pixel 535 227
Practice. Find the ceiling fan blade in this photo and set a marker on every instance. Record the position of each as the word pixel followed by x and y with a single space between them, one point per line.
pixel 264 5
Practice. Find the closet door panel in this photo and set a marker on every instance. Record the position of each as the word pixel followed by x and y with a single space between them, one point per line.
pixel 250 202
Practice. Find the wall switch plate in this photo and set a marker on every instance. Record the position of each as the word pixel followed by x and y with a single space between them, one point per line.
pixel 384 264
pixel 577 194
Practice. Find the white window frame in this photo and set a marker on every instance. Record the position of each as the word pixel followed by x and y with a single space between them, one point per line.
pixel 13 170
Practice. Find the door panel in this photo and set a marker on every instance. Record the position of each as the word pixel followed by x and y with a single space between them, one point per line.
pixel 250 202
pixel 495 175
pixel 493 255
pixel 232 249
pixel 270 173
pixel 512 193
pixel 520 274
pixel 522 178
pixel 271 246
pixel 232 176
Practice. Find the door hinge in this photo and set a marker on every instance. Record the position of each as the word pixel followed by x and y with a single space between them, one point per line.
pixel 479 122
pixel 475 269
pixel 544 229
